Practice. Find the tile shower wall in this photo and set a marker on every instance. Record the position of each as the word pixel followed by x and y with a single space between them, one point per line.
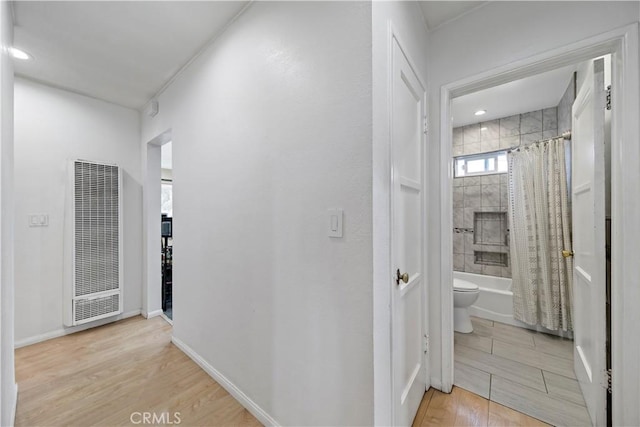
pixel 475 249
pixel 564 107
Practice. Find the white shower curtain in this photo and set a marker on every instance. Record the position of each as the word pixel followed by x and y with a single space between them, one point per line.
pixel 540 221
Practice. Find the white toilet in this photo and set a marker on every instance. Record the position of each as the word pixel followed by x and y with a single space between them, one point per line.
pixel 464 295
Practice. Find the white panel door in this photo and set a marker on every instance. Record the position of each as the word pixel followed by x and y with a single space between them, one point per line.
pixel 408 296
pixel 588 200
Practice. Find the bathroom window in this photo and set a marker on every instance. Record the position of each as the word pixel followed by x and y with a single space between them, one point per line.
pixel 480 164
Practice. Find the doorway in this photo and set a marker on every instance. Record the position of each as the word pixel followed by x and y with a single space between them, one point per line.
pixel 166 211
pixel 517 303
pixel 623 109
pixel 153 297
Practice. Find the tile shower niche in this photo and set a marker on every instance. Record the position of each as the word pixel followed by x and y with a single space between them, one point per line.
pixel 491 234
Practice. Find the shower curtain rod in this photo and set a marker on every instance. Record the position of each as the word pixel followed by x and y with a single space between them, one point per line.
pixel 565 135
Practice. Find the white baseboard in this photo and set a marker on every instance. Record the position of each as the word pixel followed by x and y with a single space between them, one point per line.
pixel 151 314
pixel 169 321
pixel 436 383
pixel 233 390
pixel 14 407
pixel 66 331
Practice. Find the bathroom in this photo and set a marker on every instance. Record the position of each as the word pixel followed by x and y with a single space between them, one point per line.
pixel 508 348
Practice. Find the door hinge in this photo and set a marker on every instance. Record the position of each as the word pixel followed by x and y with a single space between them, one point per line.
pixel 606 379
pixel 608 106
pixel 425 126
pixel 426 344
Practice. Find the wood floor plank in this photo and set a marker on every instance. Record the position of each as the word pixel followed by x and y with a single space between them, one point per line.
pixel 472 379
pixel 462 408
pixel 537 404
pixel 548 362
pixel 102 375
pixel 563 387
pixel 473 340
pixel 501 416
pixel 472 410
pixel 442 409
pixel 422 409
pixel 507 368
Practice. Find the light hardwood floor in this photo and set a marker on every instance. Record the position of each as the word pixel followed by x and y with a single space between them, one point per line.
pixel 463 408
pixel 525 370
pixel 102 376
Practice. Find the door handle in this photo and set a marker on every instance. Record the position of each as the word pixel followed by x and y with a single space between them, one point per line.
pixel 404 277
pixel 567 254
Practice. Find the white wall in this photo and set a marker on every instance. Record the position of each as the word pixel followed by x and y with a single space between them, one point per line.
pixel 406 20
pixel 271 127
pixel 51 127
pixel 7 372
pixel 152 269
pixel 497 34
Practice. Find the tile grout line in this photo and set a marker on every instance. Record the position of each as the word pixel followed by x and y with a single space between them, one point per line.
pixel 490 382
pixel 544 381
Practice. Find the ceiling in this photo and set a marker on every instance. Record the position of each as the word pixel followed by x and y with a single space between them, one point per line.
pixel 123 52
pixel 520 96
pixel 126 51
pixel 437 13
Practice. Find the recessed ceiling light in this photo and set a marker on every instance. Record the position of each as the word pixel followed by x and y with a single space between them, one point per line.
pixel 19 54
pixel 480 112
pixel 483 128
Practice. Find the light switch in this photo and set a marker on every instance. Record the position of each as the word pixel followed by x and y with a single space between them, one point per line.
pixel 335 222
pixel 39 220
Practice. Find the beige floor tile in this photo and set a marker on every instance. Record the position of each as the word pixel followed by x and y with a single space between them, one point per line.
pixel 472 379
pixel 563 387
pixel 482 321
pixel 537 404
pixel 473 340
pixel 515 335
pixel 548 362
pixel 494 364
pixel 557 346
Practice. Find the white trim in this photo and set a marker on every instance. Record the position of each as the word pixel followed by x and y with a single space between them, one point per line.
pixel 446 243
pixel 455 18
pixel 233 390
pixel 198 54
pixel 152 314
pixel 151 288
pixel 625 166
pixel 14 407
pixel 166 318
pixel 73 329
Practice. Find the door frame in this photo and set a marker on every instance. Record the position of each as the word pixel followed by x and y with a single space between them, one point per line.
pixel 622 44
pixel 382 243
pixel 151 260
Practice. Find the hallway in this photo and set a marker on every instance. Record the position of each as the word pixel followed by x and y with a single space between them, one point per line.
pixel 112 375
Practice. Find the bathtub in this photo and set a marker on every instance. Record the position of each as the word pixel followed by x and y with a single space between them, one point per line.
pixel 495 301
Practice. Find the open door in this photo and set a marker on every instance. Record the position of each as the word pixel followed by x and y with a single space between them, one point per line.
pixel 408 296
pixel 589 274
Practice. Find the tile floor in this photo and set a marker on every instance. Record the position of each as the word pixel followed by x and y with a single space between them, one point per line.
pixel 528 371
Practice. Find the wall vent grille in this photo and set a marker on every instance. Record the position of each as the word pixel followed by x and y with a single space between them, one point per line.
pixel 96 307
pixel 96 228
pixel 94 247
